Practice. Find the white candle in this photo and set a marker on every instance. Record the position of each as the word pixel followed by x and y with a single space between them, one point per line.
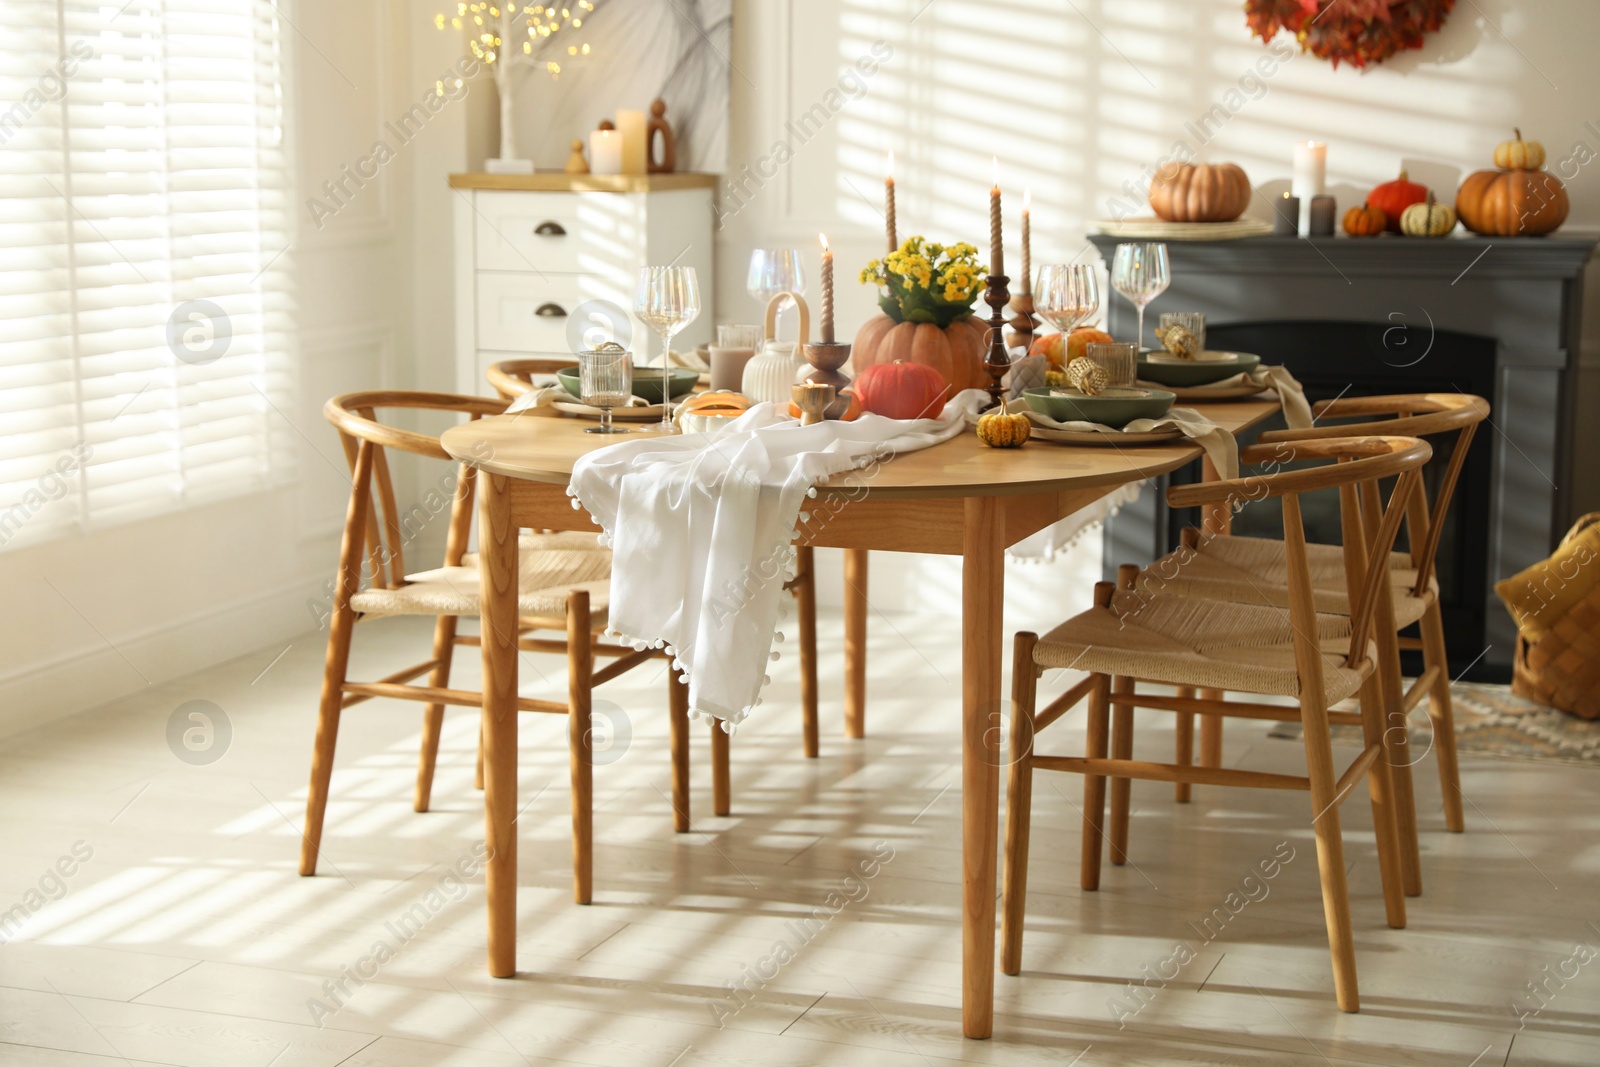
pixel 633 128
pixel 1310 174
pixel 605 152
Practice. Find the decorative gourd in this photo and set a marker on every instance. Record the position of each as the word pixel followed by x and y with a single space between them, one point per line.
pixel 1517 154
pixel 852 411
pixel 1000 430
pixel 1179 340
pixel 955 351
pixel 901 390
pixel 1061 349
pixel 720 402
pixel 1364 221
pixel 1511 203
pixel 1431 219
pixel 1392 198
pixel 1200 192
pixel 1087 376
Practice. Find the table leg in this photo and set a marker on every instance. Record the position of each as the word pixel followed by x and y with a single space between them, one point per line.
pixel 855 642
pixel 982 626
pixel 498 562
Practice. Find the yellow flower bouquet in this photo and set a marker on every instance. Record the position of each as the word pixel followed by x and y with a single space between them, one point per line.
pixel 926 282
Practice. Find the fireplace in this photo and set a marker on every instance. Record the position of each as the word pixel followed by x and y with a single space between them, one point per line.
pixel 1496 317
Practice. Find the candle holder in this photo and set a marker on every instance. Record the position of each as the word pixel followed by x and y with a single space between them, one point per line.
pixel 812 398
pixel 1024 323
pixel 998 360
pixel 826 357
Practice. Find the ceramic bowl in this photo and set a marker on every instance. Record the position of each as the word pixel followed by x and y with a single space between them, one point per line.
pixel 646 382
pixel 1116 407
pixel 1164 368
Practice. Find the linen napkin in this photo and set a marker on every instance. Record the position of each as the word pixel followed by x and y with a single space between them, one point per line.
pixel 543 401
pixel 1291 394
pixel 701 529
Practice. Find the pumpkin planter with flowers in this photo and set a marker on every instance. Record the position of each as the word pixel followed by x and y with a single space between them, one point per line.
pixel 926 292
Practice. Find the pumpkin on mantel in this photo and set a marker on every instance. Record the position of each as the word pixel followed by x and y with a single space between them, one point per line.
pixel 1392 198
pixel 1431 219
pixel 1518 201
pixel 901 390
pixel 1364 221
pixel 956 351
pixel 1200 192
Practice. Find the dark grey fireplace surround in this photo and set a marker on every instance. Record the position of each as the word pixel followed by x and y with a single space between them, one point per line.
pixel 1523 293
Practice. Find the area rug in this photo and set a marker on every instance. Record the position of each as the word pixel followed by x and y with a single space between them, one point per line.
pixel 1494 722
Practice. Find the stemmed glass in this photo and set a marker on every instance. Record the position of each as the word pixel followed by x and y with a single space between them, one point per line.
pixel 1066 294
pixel 666 299
pixel 1140 273
pixel 774 271
pixel 605 381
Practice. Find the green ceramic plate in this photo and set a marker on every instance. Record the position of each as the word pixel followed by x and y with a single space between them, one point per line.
pixel 646 382
pixel 1114 407
pixel 1167 369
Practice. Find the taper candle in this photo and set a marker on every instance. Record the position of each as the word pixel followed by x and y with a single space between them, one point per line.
pixel 997 255
pixel 888 205
pixel 827 290
pixel 1026 288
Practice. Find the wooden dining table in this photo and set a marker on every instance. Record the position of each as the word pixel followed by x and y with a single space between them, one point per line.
pixel 957 498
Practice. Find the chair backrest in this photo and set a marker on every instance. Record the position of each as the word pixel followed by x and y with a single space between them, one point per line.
pixel 1414 415
pixel 381 543
pixel 513 377
pixel 1369 530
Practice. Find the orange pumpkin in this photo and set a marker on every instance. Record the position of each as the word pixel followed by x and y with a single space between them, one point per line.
pixel 1511 203
pixel 1392 198
pixel 851 413
pixel 1364 221
pixel 955 351
pixel 1200 192
pixel 1075 344
pixel 901 390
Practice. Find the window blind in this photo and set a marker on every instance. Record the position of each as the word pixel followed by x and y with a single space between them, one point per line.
pixel 144 233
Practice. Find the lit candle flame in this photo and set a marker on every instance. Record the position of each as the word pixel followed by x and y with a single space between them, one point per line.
pixel 997 172
pixel 824 239
pixel 1027 200
pixel 889 174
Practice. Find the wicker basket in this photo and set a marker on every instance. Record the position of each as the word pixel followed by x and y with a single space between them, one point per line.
pixel 1558 659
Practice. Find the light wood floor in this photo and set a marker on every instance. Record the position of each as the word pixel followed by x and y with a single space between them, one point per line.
pixel 187 938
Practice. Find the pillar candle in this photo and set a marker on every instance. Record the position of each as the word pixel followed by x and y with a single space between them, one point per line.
pixel 827 290
pixel 605 152
pixel 1310 174
pixel 1286 217
pixel 633 127
pixel 1322 212
pixel 888 205
pixel 997 255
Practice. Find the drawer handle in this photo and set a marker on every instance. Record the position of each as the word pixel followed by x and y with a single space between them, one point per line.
pixel 550 229
pixel 551 311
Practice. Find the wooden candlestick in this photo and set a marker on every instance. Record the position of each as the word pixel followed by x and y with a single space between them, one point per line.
pixel 1024 324
pixel 998 360
pixel 812 398
pixel 826 358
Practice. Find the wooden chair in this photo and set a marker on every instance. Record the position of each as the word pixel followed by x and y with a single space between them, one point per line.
pixel 513 377
pixel 563 587
pixel 1253 570
pixel 1195 642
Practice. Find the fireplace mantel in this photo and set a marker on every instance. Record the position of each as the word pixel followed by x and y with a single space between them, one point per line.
pixel 1523 292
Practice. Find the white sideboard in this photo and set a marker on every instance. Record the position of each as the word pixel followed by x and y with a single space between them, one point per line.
pixel 541 259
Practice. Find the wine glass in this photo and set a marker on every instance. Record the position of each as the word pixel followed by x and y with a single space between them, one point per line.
pixel 1066 294
pixel 605 381
pixel 1140 273
pixel 774 271
pixel 666 299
